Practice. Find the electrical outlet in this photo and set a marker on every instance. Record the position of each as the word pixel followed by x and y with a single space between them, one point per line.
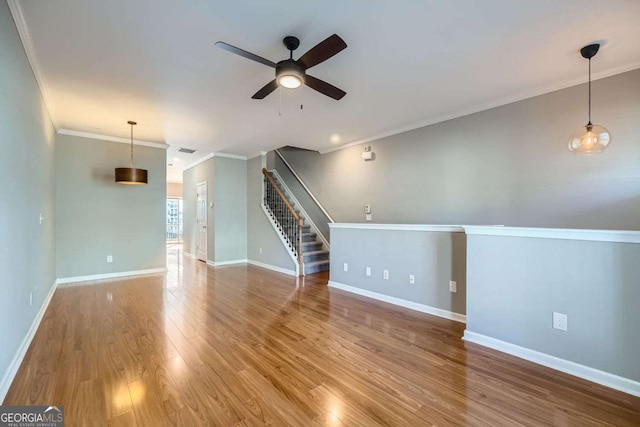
pixel 260 250
pixel 109 258
pixel 345 267
pixel 41 219
pixel 367 271
pixel 367 217
pixel 385 274
pixel 453 286
pixel 412 279
pixel 560 321
pixel 30 298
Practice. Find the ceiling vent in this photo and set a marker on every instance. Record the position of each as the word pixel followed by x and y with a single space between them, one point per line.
pixel 186 150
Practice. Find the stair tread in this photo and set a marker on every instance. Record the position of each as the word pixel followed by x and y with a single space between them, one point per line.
pixel 316 252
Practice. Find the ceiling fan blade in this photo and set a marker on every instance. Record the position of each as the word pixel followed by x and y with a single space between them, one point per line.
pixel 266 90
pixel 322 51
pixel 245 54
pixel 324 87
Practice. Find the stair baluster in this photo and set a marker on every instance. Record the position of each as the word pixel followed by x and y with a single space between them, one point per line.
pixel 290 223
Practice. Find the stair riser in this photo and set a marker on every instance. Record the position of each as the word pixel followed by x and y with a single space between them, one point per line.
pixel 311 246
pixel 316 268
pixel 314 257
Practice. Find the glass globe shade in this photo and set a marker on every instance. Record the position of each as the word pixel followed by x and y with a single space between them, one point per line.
pixel 589 139
pixel 289 81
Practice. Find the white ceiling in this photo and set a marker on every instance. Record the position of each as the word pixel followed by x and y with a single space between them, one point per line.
pixel 408 63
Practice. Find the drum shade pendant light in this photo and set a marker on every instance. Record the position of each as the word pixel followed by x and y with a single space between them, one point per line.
pixel 131 175
pixel 590 138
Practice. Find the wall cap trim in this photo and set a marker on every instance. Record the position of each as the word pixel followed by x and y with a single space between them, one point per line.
pixel 615 236
pixel 400 227
pixel 272 267
pixel 12 370
pixel 92 277
pixel 90 135
pixel 606 379
pixel 423 308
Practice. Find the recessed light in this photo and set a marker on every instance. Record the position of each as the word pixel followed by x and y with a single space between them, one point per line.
pixel 175 159
pixel 335 138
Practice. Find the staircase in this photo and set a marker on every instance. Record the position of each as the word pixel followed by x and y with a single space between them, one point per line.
pixel 285 214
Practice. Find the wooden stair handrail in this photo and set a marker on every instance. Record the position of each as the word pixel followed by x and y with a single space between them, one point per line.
pixel 299 219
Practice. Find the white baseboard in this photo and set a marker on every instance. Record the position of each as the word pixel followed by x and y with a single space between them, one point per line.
pixel 401 302
pixel 223 263
pixel 11 372
pixel 272 267
pixel 613 381
pixel 75 279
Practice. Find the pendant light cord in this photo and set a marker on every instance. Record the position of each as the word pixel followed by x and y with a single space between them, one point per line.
pixel 589 91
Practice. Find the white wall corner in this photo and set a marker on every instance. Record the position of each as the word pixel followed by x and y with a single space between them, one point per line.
pixel 25 37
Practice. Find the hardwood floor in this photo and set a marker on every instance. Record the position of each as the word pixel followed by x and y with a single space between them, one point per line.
pixel 244 346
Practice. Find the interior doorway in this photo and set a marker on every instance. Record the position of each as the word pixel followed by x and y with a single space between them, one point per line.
pixel 174 220
pixel 201 221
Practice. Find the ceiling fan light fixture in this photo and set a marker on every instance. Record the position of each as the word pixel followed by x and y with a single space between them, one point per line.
pixel 290 81
pixel 289 75
pixel 131 175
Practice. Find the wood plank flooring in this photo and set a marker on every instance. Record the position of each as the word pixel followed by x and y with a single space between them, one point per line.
pixel 244 346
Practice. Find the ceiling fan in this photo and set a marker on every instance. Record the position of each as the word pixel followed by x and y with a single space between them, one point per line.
pixel 291 73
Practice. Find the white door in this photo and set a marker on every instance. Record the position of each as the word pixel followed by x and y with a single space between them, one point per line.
pixel 201 221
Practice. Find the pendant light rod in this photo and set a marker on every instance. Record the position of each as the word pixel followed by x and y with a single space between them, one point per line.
pixel 589 52
pixel 132 123
pixel 589 92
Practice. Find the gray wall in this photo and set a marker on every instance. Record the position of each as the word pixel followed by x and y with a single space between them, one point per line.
pixel 509 165
pixel 27 252
pixel 515 284
pixel 227 220
pixel 434 258
pixel 97 217
pixel 190 178
pixel 230 209
pixel 260 232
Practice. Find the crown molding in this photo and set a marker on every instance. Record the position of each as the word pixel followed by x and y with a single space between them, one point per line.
pixel 521 96
pixel 212 155
pixel 25 37
pixel 229 156
pixel 112 138
pixel 197 162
